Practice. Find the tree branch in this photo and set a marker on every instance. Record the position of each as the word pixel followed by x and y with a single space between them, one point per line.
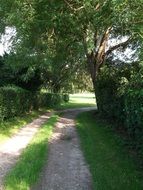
pixel 102 46
pixel 105 36
pixel 95 38
pixel 85 46
pixel 72 8
pixel 123 45
pixel 97 6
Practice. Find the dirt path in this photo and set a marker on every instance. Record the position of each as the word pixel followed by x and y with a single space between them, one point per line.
pixel 66 168
pixel 11 149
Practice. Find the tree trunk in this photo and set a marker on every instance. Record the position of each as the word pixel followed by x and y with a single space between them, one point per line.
pixel 97 57
pixel 94 65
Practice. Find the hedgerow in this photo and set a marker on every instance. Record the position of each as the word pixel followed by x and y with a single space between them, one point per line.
pixel 49 99
pixel 110 89
pixel 120 99
pixel 134 110
pixel 15 101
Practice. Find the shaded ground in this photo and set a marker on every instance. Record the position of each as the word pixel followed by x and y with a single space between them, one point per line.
pixel 11 149
pixel 66 168
pixel 111 165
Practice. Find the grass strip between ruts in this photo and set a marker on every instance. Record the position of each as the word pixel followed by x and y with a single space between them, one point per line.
pixel 27 170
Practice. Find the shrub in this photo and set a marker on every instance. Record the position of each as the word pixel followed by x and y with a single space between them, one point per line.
pixel 51 99
pixel 14 101
pixel 134 113
pixel 66 97
pixel 122 100
pixel 134 110
pixel 110 89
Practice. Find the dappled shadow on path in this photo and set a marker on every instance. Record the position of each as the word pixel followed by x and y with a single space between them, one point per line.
pixel 66 168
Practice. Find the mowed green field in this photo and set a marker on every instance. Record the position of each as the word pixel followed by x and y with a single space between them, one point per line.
pixel 85 98
pixel 79 100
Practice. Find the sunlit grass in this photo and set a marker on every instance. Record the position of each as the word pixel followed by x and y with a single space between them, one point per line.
pixel 111 165
pixel 11 126
pixel 85 98
pixel 28 168
pixel 79 101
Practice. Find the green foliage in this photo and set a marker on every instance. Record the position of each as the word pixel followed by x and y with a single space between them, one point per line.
pixel 122 100
pixel 48 99
pixel 58 34
pixel 134 111
pixel 19 71
pixel 66 97
pixel 110 89
pixel 14 101
pixel 6 76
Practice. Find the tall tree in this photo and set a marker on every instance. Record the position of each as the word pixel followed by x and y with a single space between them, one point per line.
pixel 85 26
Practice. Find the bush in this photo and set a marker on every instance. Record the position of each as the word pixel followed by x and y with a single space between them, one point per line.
pixel 110 89
pixel 134 110
pixel 49 99
pixel 122 100
pixel 14 101
pixel 66 97
pixel 134 113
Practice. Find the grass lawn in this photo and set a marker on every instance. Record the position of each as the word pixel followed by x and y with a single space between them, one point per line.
pixel 11 126
pixel 111 165
pixel 79 101
pixel 28 168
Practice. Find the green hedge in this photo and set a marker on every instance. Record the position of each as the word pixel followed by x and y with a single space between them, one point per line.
pixel 122 101
pixel 66 97
pixel 110 94
pixel 134 114
pixel 15 101
pixel 49 99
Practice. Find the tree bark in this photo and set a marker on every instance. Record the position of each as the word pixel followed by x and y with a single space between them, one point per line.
pixel 96 59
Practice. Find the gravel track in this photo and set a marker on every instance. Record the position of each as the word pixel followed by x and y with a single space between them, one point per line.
pixel 66 168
